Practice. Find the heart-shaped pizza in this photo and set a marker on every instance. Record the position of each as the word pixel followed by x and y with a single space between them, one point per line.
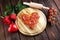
pixel 31 21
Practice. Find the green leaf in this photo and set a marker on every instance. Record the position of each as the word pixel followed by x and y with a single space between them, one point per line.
pixel 14 9
pixel 5 14
pixel 8 7
pixel 23 6
pixel 19 4
pixel 10 12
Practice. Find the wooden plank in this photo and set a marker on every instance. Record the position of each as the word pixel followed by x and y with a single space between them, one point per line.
pixel 56 32
pixel 26 0
pixel 57 2
pixel 24 37
pixel 50 33
pixel 14 36
pixel 58 26
pixel 2 35
pixel 39 37
pixel 44 35
pixel 13 2
pixel 7 35
pixel 53 33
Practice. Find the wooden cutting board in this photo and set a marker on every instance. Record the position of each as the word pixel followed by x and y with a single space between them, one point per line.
pixel 24 29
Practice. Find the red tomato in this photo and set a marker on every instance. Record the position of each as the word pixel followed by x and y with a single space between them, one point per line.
pixel 50 14
pixel 7 20
pixel 54 15
pixel 13 16
pixel 52 8
pixel 12 28
pixel 50 11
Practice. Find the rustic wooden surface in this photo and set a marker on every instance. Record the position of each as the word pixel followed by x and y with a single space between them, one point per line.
pixel 52 32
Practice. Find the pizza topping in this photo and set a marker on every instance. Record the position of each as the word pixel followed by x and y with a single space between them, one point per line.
pixel 30 20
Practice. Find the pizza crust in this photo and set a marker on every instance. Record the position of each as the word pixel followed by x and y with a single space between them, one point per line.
pixel 41 25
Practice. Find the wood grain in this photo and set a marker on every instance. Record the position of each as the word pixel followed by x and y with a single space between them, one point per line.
pixel 2 35
pixel 52 32
pixel 7 35
pixel 57 2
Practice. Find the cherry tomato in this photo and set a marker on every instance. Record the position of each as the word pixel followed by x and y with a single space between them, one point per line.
pixel 54 15
pixel 50 11
pixel 52 8
pixel 50 14
pixel 53 19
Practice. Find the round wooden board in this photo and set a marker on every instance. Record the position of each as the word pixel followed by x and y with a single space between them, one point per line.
pixel 41 25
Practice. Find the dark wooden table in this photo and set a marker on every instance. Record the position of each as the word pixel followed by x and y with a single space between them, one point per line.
pixel 52 32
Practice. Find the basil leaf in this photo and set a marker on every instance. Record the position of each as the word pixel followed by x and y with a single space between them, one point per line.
pixel 5 14
pixel 19 5
pixel 8 7
pixel 10 12
pixel 14 9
